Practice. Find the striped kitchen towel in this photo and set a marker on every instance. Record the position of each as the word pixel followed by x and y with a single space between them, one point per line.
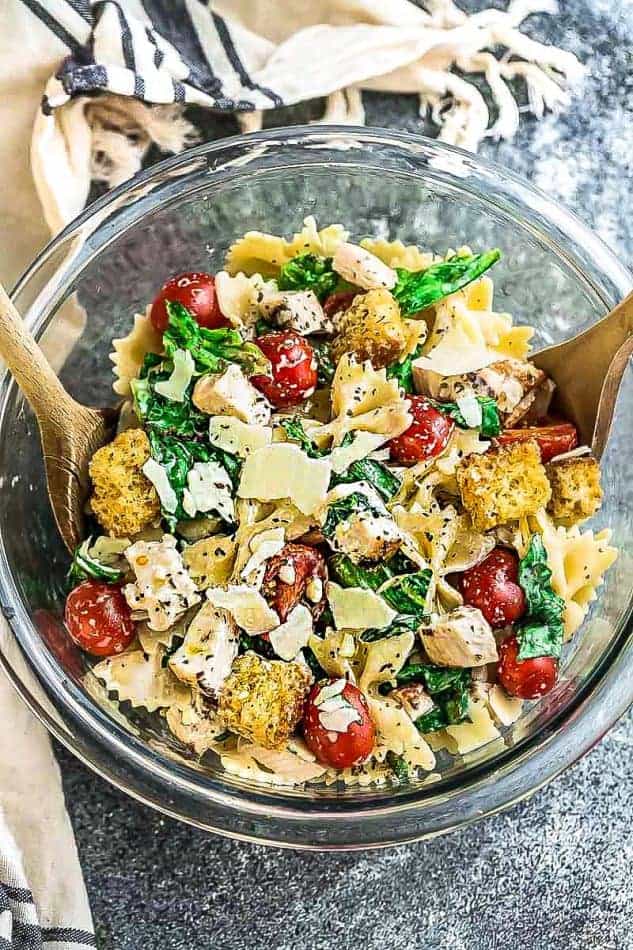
pixel 246 57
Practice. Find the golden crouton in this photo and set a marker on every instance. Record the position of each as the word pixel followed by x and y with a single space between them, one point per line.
pixel 504 484
pixel 124 501
pixel 262 700
pixel 372 329
pixel 576 491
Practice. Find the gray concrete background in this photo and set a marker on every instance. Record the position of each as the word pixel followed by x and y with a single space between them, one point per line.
pixel 554 873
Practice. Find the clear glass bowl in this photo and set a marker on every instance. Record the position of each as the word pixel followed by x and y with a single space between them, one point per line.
pixel 182 215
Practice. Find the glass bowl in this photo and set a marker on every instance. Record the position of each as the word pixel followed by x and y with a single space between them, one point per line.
pixel 182 215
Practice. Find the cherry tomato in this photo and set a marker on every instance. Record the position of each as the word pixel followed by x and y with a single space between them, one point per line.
pixel 338 302
pixel 339 749
pixel 293 368
pixel 528 679
pixel 288 576
pixel 553 439
pixel 194 291
pixel 493 586
pixel 426 436
pixel 98 618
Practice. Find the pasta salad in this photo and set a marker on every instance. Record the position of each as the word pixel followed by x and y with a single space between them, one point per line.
pixel 337 530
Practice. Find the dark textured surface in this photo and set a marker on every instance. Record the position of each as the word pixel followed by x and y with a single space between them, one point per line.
pixel 553 873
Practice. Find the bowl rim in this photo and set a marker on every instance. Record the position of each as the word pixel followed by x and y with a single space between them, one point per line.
pixel 555 743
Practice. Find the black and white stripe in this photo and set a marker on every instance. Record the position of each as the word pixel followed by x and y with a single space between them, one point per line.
pixel 21 930
pixel 159 51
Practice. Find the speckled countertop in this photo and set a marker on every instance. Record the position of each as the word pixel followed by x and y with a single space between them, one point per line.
pixel 554 873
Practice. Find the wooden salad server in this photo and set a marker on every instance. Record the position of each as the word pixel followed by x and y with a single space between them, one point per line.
pixel 70 433
pixel 588 371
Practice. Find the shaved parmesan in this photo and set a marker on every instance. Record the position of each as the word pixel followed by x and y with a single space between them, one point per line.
pixel 339 720
pixel 211 489
pixel 239 438
pixel 282 470
pixel 158 477
pixel 447 360
pixel 293 635
pixel 263 546
pixel 176 386
pixel 356 608
pixel 247 607
pixel 329 690
pixel 362 445
pixel 470 409
pixel 506 709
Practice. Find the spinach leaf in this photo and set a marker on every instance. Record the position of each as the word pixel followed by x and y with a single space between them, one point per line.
pixel 398 765
pixel 317 670
pixel 262 327
pixel 344 508
pixel 403 371
pixel 451 703
pixel 368 470
pixel 540 633
pixel 293 428
pixel 416 290
pixel 178 456
pixel 165 415
pixel 408 593
pixel 258 645
pixel 84 566
pixel 401 624
pixel 349 574
pixel 490 418
pixel 211 349
pixel 327 366
pixel 309 272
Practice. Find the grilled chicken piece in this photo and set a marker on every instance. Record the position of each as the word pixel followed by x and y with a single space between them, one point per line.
pixel 515 384
pixel 362 268
pixel 414 699
pixel 205 657
pixel 297 310
pixel 230 393
pixel 367 537
pixel 462 637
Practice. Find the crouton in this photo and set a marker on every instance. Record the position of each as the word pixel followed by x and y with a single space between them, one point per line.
pixel 372 329
pixel 262 700
pixel 504 484
pixel 124 501
pixel 576 491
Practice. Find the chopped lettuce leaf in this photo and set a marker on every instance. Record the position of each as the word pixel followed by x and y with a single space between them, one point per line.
pixel 490 425
pixel 84 566
pixel 417 290
pixel 210 349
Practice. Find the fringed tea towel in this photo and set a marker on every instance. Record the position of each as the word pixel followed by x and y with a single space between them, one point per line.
pixel 132 65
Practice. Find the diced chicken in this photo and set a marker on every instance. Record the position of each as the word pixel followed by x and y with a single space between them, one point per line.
pixel 231 393
pixel 163 588
pixel 204 659
pixel 515 384
pixel 462 637
pixel 298 310
pixel 414 699
pixel 367 537
pixel 361 268
pixel 197 725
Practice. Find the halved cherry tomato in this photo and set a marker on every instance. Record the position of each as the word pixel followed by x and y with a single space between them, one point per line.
pixel 303 564
pixel 339 301
pixel 293 368
pixel 493 586
pixel 553 439
pixel 98 618
pixel 196 292
pixel 527 679
pixel 339 749
pixel 426 436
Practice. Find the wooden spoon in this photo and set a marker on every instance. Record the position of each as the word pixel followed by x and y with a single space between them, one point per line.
pixel 70 433
pixel 588 371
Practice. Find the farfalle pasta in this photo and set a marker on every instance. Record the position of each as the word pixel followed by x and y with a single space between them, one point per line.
pixel 338 542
